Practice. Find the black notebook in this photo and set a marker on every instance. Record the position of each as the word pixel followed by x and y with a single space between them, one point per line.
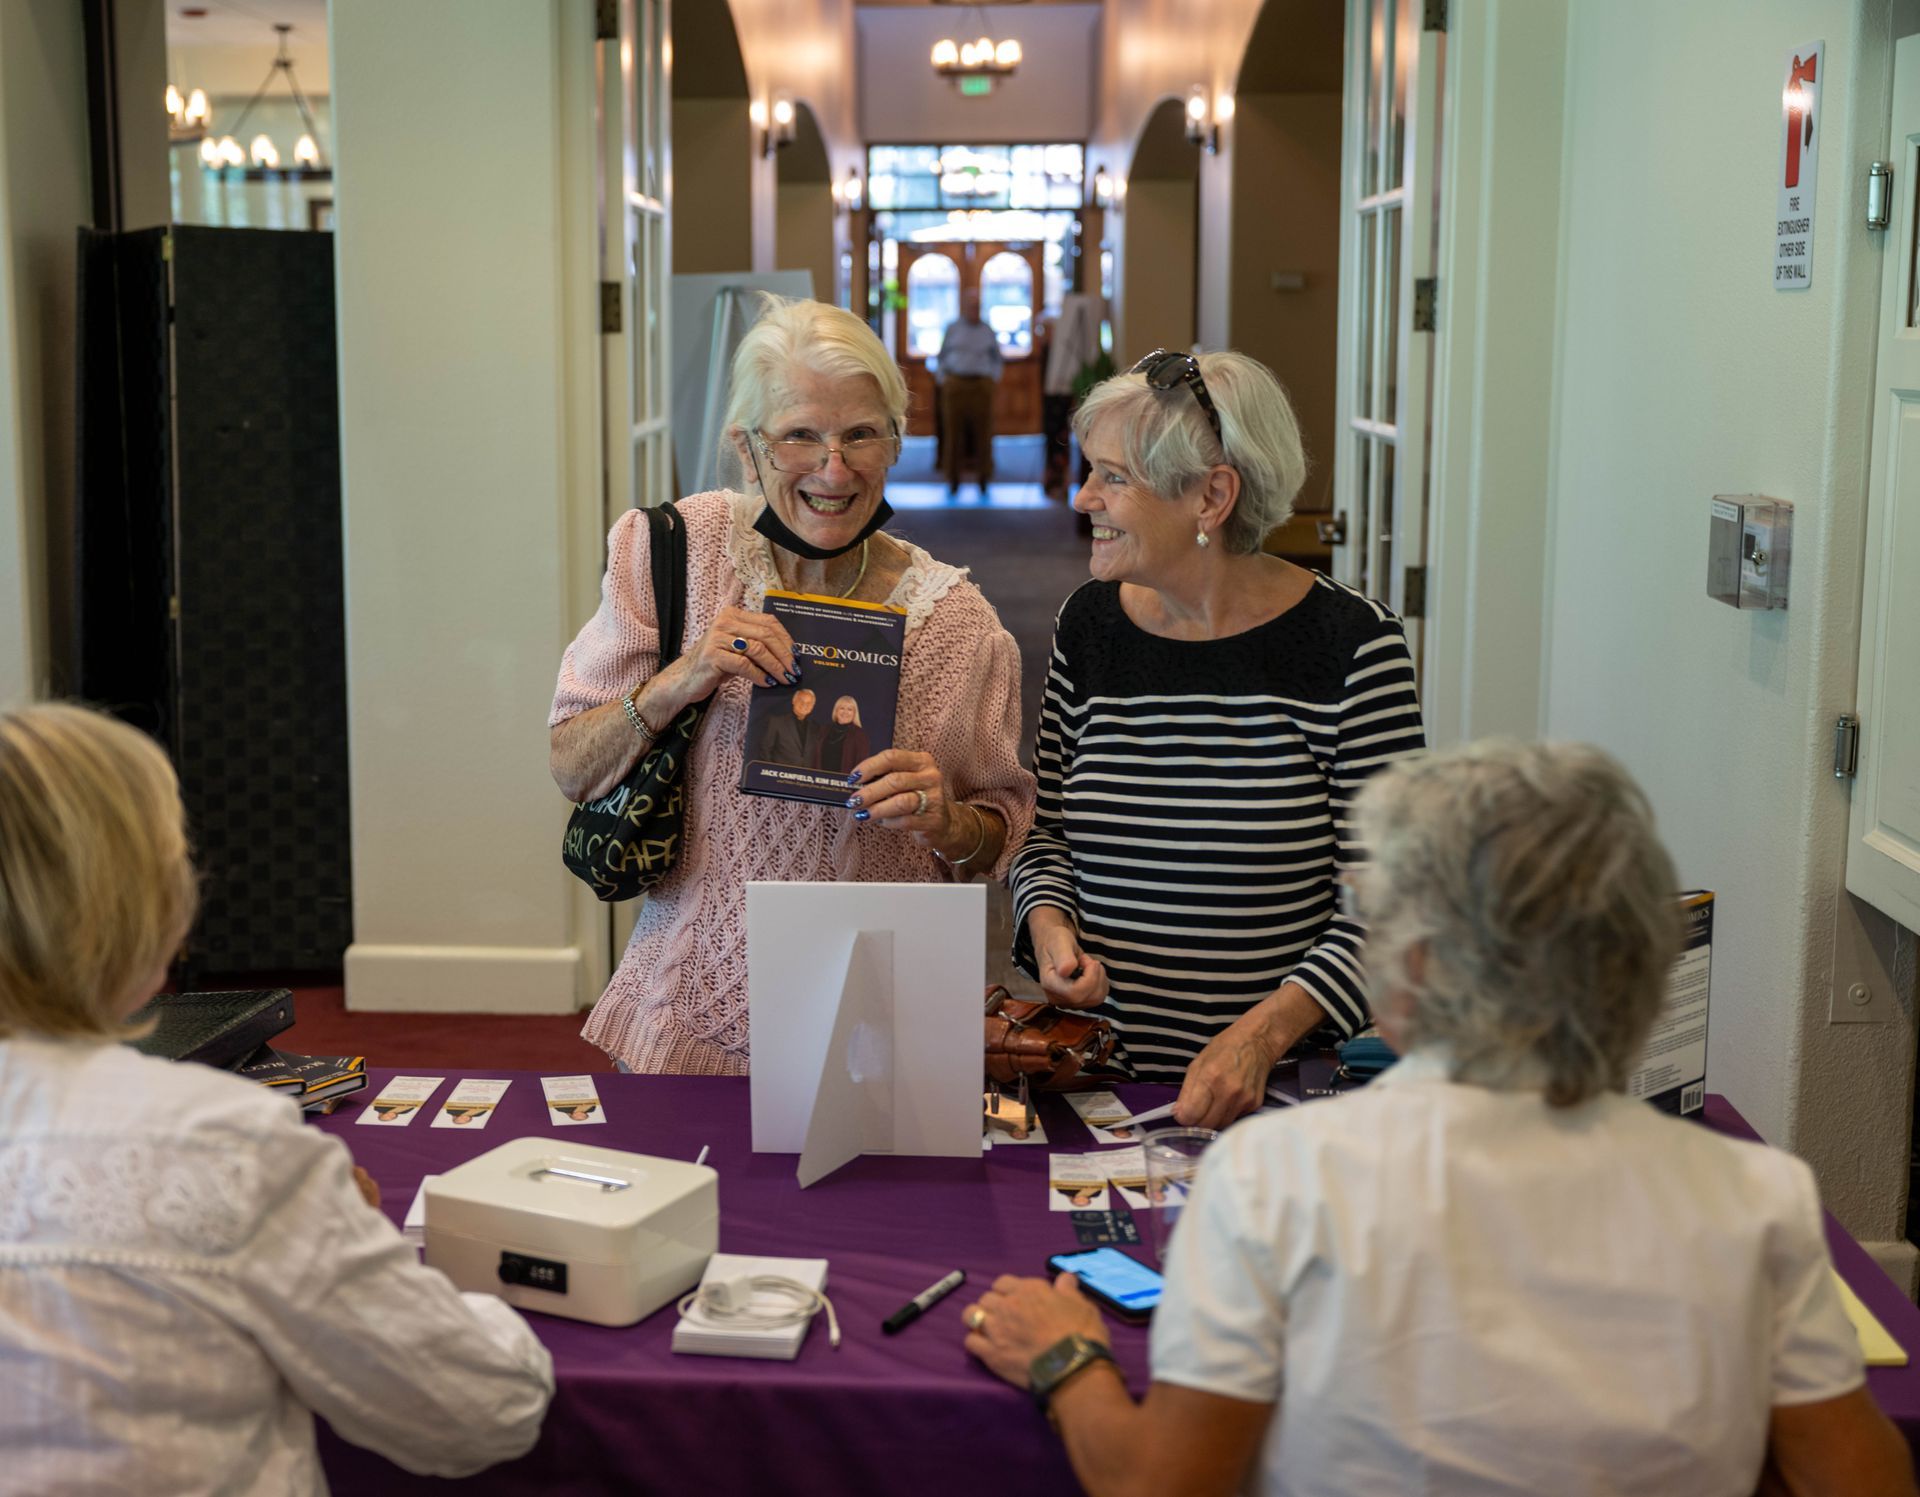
pixel 803 741
pixel 216 1029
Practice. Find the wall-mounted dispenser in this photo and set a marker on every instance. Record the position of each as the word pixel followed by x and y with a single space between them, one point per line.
pixel 1749 550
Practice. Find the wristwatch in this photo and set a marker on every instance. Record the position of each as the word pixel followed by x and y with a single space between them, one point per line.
pixel 1067 1356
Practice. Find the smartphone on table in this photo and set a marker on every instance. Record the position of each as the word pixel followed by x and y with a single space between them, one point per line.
pixel 1117 1282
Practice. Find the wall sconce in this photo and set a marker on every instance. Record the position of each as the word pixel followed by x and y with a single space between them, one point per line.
pixel 776 122
pixel 1102 187
pixel 1202 130
pixel 847 194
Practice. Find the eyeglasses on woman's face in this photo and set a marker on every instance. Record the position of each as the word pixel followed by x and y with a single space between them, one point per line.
pixel 1167 370
pixel 863 449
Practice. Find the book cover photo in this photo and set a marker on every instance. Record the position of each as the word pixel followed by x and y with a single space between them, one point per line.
pixel 803 741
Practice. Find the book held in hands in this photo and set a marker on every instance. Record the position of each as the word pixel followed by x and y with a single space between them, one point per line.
pixel 803 741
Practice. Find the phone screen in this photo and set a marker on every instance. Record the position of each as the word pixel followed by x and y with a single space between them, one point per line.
pixel 1110 1273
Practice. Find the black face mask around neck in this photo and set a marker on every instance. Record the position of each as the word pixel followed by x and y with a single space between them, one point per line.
pixel 781 534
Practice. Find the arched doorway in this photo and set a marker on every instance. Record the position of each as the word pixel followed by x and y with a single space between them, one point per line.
pixel 1159 239
pixel 804 207
pixel 1283 304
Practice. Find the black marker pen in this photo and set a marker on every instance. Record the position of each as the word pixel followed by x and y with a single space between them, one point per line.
pixel 922 1302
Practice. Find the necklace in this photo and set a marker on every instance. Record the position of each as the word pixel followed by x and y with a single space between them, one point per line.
pixel 859 576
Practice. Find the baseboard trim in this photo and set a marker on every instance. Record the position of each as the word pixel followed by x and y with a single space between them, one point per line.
pixel 1899 1261
pixel 463 979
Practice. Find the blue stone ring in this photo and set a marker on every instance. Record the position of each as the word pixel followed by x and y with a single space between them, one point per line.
pixel 740 645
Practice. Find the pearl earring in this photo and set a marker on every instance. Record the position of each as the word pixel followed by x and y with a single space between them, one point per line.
pixel 1202 540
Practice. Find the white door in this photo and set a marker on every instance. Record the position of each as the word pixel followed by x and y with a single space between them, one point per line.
pixel 1883 856
pixel 1389 199
pixel 635 190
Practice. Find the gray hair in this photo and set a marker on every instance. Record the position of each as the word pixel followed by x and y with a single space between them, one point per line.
pixel 1168 445
pixel 1531 876
pixel 792 334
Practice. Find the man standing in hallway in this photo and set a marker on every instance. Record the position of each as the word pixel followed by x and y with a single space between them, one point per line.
pixel 969 370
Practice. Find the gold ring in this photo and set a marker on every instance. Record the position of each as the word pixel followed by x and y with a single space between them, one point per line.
pixel 922 809
pixel 976 1317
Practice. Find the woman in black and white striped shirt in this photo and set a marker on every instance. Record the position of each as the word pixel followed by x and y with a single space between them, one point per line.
pixel 1211 712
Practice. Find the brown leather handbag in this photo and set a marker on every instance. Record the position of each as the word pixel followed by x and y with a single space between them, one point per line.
pixel 1051 1047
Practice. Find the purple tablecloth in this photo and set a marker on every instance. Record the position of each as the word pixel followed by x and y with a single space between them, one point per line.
pixel 910 1413
pixel 882 1415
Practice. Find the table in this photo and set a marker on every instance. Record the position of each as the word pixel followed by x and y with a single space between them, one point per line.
pixel 911 1413
pixel 904 1414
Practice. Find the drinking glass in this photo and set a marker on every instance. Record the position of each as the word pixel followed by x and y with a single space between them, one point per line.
pixel 1173 1160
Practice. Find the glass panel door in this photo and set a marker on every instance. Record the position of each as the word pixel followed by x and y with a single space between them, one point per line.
pixel 1389 198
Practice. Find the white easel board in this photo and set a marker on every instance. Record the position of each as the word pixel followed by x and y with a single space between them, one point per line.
pixel 708 315
pixel 865 1006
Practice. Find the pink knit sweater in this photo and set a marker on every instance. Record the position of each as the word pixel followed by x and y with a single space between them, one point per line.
pixel 678 1002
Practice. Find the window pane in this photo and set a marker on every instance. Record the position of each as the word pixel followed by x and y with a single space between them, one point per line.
pixel 1390 221
pixel 1006 301
pixel 1358 523
pixel 1363 389
pixel 933 302
pixel 1404 42
pixel 1376 86
pixel 1384 573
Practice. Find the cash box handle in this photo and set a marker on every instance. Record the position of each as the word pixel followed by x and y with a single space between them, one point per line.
pixel 605 1182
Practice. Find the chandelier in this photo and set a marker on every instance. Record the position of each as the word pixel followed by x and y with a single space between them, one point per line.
pixel 983 58
pixel 260 158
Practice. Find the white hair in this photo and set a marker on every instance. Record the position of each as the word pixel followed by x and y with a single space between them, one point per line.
pixel 790 335
pixel 1530 880
pixel 1168 444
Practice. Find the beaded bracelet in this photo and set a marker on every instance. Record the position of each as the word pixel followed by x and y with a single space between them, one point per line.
pixel 634 717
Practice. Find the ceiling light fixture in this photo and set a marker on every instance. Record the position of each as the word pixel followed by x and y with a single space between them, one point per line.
pixel 983 58
pixel 261 159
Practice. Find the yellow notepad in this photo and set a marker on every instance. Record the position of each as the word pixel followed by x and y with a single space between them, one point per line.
pixel 1879 1347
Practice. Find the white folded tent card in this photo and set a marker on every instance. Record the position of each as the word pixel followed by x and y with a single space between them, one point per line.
pixel 865 1006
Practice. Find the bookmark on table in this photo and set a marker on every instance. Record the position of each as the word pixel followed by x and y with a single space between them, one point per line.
pixel 1127 1173
pixel 1105 1116
pixel 572 1101
pixel 471 1105
pixel 1104 1228
pixel 1075 1182
pixel 399 1100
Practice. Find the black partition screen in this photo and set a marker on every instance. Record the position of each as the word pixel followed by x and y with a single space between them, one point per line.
pixel 210 584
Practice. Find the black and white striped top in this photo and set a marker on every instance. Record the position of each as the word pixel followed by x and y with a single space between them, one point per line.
pixel 1193 809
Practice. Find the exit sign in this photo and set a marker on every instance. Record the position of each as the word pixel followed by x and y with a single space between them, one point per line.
pixel 976 87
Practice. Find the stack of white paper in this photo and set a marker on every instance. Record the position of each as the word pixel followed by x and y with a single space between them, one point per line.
pixel 710 1338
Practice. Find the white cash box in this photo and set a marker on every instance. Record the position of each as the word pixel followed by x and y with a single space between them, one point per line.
pixel 569 1229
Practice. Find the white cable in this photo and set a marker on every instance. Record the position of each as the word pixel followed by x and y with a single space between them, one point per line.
pixel 729 1302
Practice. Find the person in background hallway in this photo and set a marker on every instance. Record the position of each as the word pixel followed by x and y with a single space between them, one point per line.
pixel 1209 715
pixel 795 737
pixel 969 367
pixel 1489 1271
pixel 813 425
pixel 188 1273
pixel 1068 344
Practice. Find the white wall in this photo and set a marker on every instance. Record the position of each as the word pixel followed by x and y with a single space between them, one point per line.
pixel 1051 97
pixel 44 198
pixel 461 328
pixel 1682 374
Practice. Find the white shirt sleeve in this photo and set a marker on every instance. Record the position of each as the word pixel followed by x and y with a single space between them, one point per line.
pixel 1816 1351
pixel 386 1350
pixel 1222 1321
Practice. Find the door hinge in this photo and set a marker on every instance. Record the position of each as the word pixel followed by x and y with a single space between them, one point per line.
pixel 1435 18
pixel 1879 194
pixel 1414 593
pixel 609 306
pixel 1426 292
pixel 1846 746
pixel 1332 532
pixel 606 20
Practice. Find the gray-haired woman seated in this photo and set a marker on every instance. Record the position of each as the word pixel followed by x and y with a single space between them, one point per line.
pixel 1490 1271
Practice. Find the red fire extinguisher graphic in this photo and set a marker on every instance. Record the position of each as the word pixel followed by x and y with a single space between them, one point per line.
pixel 1799 115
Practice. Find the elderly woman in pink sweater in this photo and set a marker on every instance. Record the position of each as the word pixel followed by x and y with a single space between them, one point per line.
pixel 814 417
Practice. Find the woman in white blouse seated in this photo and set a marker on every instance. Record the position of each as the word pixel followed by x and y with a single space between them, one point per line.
pixel 187 1274
pixel 1490 1272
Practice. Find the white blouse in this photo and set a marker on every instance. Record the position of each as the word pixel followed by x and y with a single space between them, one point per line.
pixel 188 1274
pixel 1451 1289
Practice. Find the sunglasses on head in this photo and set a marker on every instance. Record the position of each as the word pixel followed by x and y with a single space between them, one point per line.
pixel 1167 370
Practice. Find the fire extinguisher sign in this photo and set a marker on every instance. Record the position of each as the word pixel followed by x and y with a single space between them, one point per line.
pixel 1799 167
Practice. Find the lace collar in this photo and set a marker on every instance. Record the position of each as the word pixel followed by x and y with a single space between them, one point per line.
pixel 920 589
